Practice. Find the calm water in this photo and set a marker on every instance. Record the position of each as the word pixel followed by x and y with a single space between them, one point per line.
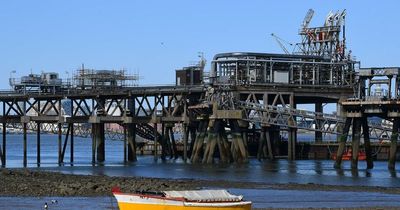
pixel 279 171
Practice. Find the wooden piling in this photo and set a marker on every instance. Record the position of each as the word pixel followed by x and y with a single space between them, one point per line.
pixel 163 142
pixel 367 143
pixel 94 133
pixel 131 138
pixel 292 144
pixel 269 144
pixel 393 144
pixel 38 144
pixel 25 161
pixel 342 143
pixel 59 131
pixel 125 145
pixel 168 144
pixel 4 156
pixel 155 141
pixel 192 140
pixel 185 141
pixel 198 144
pixel 225 145
pixel 71 157
pixel 261 145
pixel 100 142
pixel 174 148
pixel 356 142
pixel 210 148
pixel 318 134
pixel 65 144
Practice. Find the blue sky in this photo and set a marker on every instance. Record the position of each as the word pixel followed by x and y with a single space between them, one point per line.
pixel 156 37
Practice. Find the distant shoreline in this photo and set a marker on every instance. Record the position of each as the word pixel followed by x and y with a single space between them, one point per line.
pixel 25 182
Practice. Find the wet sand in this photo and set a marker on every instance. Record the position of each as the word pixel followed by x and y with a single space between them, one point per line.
pixel 24 182
pixel 36 183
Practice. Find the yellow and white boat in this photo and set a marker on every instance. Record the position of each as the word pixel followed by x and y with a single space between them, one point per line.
pixel 181 200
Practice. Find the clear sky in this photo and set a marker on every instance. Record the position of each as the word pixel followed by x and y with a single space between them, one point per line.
pixel 156 37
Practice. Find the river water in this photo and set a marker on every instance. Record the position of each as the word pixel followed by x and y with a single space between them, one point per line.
pixel 265 172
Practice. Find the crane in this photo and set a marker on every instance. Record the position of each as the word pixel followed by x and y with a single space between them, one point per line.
pixel 279 41
pixel 307 18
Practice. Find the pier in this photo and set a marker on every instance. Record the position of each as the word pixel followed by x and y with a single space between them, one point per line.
pixel 245 98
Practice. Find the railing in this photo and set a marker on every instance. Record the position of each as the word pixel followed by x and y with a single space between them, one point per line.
pixel 305 120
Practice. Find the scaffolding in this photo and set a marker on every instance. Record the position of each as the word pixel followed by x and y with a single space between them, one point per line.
pixel 104 79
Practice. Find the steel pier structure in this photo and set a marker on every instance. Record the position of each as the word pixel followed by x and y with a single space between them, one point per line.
pixel 377 96
pixel 246 98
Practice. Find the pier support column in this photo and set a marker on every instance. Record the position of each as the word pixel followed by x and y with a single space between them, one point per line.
pixel 100 143
pixel 269 144
pixel 155 141
pixel 59 131
pixel 292 141
pixel 262 145
pixel 211 143
pixel 38 144
pixel 25 161
pixel 367 144
pixel 342 143
pixel 3 159
pixel 199 141
pixel 292 132
pixel 94 133
pixel 173 142
pixel 318 135
pixel 131 138
pixel 238 148
pixel 185 141
pixel 356 142
pixel 192 135
pixel 224 144
pixel 163 142
pixel 393 144
pixel 72 143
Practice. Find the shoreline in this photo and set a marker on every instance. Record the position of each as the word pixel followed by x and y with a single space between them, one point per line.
pixel 25 182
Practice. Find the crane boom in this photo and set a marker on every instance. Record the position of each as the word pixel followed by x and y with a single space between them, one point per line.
pixel 279 40
pixel 307 18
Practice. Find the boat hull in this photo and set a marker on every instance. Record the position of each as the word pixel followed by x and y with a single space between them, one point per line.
pixel 128 202
pixel 129 206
